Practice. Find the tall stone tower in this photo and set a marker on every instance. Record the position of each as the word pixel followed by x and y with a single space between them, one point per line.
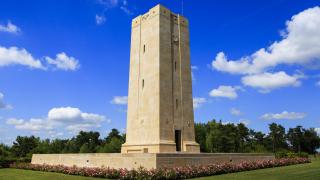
pixel 160 107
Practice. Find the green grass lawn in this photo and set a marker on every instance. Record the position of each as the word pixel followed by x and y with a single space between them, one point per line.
pixel 17 174
pixel 309 171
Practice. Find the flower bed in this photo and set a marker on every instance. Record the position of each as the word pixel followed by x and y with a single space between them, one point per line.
pixel 164 173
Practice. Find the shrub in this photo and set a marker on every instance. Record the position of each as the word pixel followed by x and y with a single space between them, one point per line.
pixel 291 155
pixel 164 173
pixel 5 162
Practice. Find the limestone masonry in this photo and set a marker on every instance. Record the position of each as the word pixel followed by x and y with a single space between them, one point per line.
pixel 160 108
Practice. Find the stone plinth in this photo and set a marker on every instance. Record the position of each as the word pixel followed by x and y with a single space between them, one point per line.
pixel 146 160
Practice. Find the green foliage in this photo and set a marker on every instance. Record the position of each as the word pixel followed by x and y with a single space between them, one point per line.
pixel 217 137
pixel 24 146
pixel 283 154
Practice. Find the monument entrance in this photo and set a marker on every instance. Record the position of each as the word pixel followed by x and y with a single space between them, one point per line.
pixel 178 140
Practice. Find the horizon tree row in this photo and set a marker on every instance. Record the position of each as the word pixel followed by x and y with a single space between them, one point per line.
pixel 213 137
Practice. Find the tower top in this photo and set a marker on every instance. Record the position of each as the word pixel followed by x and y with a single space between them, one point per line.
pixel 159 9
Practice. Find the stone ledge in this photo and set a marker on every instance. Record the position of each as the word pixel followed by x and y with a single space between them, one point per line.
pixel 146 160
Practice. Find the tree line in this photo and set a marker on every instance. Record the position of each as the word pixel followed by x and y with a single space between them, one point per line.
pixel 215 136
pixel 212 136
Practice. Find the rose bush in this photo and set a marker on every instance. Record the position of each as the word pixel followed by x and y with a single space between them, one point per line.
pixel 163 173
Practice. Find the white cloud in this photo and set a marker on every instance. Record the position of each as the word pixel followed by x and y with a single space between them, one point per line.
pixel 100 19
pixel 17 56
pixel 31 125
pixel 225 91
pixel 64 62
pixel 14 121
pixel 269 81
pixel 64 114
pixel 300 45
pixel 55 134
pixel 194 68
pixel 3 105
pixel 244 121
pixel 221 63
pixel 75 128
pixel 109 3
pixel 126 10
pixel 235 112
pixel 198 101
pixel 70 118
pixel 317 130
pixel 120 100
pixel 283 115
pixel 70 114
pixel 9 28
pixel 123 5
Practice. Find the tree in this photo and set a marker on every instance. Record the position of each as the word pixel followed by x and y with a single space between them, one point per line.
pixel 113 134
pixel 85 148
pixel 310 141
pixel 243 137
pixel 24 145
pixel 201 135
pixel 295 138
pixel 277 135
pixel 114 146
pixel 90 138
pixel 4 151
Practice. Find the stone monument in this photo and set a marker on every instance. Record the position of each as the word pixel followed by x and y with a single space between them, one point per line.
pixel 160 108
pixel 160 125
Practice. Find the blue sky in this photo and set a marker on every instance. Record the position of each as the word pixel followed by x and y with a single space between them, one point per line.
pixel 64 65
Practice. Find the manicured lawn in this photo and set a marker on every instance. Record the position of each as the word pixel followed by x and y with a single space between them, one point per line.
pixel 17 174
pixel 309 171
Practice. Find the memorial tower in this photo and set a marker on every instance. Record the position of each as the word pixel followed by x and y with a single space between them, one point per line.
pixel 160 105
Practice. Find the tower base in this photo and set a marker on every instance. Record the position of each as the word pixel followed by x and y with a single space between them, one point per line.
pixel 167 147
pixel 146 160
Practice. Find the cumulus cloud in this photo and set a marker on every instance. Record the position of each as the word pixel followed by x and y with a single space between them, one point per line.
pixel 72 119
pixel 269 81
pixel 198 101
pixel 64 62
pixel 235 112
pixel 31 125
pixel 18 56
pixel 225 92
pixel 120 100
pixel 69 114
pixel 244 121
pixel 300 45
pixel 74 128
pixel 4 105
pixel 9 28
pixel 283 115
